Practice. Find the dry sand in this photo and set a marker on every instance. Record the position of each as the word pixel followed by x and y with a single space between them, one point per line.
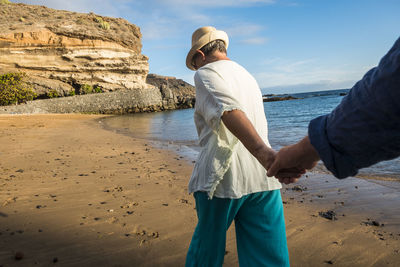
pixel 75 194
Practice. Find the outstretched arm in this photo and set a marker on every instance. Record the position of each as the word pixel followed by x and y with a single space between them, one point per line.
pixel 301 155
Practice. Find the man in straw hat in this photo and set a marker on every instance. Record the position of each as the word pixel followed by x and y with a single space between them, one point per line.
pixel 229 179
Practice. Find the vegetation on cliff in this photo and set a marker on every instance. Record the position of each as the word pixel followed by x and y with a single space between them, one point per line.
pixel 14 90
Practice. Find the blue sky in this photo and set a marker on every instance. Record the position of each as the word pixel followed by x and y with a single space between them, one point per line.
pixel 288 45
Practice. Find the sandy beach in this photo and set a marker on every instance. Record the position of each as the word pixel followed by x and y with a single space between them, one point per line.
pixel 75 194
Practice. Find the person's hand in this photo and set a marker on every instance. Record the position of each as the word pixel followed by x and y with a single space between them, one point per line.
pixel 300 156
pixel 266 156
pixel 290 175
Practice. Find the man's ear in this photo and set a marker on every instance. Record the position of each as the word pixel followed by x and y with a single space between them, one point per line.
pixel 203 56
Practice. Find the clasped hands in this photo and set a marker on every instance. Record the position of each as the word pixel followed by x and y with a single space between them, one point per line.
pixel 292 161
pixel 287 165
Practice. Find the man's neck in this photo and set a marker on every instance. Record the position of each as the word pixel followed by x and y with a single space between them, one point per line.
pixel 217 55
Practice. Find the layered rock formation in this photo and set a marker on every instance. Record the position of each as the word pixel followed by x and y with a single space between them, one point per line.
pixel 65 51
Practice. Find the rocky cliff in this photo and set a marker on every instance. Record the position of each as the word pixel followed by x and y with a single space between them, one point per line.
pixel 66 51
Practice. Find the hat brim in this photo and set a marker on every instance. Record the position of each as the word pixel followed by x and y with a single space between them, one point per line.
pixel 207 38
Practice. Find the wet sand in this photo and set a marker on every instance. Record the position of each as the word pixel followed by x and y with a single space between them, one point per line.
pixel 75 194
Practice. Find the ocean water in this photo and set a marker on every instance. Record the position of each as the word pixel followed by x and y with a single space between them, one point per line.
pixel 287 124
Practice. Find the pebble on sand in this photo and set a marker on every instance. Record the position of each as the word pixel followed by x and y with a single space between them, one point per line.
pixel 330 215
pixel 19 255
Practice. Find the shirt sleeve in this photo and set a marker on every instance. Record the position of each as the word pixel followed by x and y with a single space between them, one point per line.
pixel 365 127
pixel 213 96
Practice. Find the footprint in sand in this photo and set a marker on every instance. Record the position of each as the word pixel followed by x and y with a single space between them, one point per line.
pixel 113 220
pixel 184 201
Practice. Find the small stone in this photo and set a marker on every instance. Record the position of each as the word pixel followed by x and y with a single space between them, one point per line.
pixel 20 170
pixel 330 215
pixel 299 188
pixel 55 260
pixel 155 235
pixel 375 223
pixel 19 255
pixel 142 233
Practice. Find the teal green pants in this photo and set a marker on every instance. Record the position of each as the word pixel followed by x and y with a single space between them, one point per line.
pixel 259 224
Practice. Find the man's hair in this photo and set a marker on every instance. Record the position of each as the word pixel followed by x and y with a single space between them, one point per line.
pixel 209 48
pixel 213 46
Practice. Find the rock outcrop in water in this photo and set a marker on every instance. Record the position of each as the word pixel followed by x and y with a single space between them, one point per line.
pixel 278 98
pixel 63 52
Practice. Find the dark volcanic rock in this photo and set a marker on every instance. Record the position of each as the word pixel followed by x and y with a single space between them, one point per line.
pixel 176 93
pixel 330 215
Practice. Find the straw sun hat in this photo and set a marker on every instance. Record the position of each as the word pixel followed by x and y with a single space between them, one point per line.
pixel 203 36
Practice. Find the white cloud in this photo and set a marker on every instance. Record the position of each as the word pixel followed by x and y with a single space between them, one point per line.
pixel 156 31
pixel 310 87
pixel 216 3
pixel 254 41
pixel 278 72
pixel 104 7
pixel 247 33
pixel 296 65
pixel 244 29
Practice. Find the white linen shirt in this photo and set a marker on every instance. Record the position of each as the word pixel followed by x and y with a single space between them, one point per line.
pixel 224 167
